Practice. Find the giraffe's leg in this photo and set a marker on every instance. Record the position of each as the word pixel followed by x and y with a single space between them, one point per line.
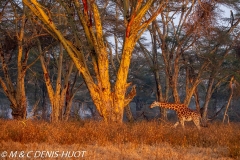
pixel 196 121
pixel 176 124
pixel 182 123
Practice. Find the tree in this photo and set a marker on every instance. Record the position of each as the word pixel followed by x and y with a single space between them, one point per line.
pixel 171 55
pixel 110 101
pixel 154 64
pixel 61 93
pixel 182 60
pixel 15 41
pixel 218 51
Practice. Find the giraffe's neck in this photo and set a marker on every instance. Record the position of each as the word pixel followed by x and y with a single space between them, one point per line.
pixel 169 105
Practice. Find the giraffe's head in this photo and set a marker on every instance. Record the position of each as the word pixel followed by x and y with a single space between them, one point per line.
pixel 154 104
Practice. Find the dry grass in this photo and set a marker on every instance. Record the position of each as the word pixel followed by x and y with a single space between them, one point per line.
pixel 141 140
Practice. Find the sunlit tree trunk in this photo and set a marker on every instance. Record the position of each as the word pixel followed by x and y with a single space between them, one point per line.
pixel 57 97
pixel 192 81
pixel 110 103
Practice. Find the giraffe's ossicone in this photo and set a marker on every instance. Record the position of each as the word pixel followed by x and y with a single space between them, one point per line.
pixel 183 113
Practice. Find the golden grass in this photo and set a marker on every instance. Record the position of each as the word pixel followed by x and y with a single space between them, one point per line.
pixel 140 140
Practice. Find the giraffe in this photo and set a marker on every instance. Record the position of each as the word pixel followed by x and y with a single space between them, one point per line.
pixel 183 113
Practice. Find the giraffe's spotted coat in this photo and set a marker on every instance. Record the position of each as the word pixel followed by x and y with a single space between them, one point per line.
pixel 183 113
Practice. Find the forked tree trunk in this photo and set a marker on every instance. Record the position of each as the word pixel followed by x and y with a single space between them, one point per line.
pixel 57 97
pixel 109 101
pixel 19 112
pixel 16 97
pixel 16 94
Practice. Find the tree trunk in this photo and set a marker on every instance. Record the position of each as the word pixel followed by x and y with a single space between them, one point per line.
pixel 19 112
pixel 68 109
pixel 57 97
pixel 175 75
pixel 56 114
pixel 196 97
pixel 129 113
pixel 21 108
pixel 44 101
pixel 229 100
pixel 163 111
pixel 207 100
pixel 16 94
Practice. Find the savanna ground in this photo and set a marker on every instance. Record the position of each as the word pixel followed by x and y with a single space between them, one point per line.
pixel 136 141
